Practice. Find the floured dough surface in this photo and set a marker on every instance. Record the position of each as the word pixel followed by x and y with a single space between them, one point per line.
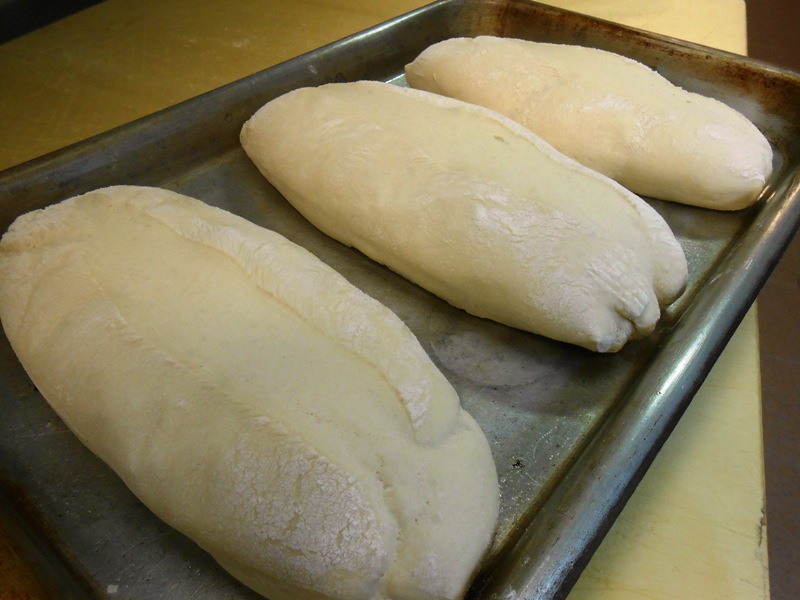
pixel 250 396
pixel 610 113
pixel 473 207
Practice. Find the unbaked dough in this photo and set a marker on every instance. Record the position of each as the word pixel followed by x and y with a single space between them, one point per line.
pixel 611 113
pixel 250 396
pixel 472 207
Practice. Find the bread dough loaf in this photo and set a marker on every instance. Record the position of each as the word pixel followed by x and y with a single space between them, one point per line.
pixel 251 397
pixel 472 207
pixel 610 113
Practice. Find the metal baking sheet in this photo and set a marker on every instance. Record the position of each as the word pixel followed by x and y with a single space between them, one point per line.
pixel 572 432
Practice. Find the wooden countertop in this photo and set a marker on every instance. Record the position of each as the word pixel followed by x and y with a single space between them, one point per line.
pixel 693 529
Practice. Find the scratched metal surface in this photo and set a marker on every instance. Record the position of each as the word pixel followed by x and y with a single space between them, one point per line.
pixel 571 431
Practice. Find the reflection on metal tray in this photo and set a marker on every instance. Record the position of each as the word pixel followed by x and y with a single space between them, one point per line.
pixel 572 432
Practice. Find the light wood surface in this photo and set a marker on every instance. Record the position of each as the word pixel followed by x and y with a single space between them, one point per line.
pixel 693 529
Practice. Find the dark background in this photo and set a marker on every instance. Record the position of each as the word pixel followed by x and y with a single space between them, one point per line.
pixel 773 35
pixel 18 17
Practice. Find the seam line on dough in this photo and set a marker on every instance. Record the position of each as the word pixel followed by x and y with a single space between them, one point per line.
pixel 415 423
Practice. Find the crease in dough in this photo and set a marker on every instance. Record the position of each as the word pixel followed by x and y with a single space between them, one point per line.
pixel 298 291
